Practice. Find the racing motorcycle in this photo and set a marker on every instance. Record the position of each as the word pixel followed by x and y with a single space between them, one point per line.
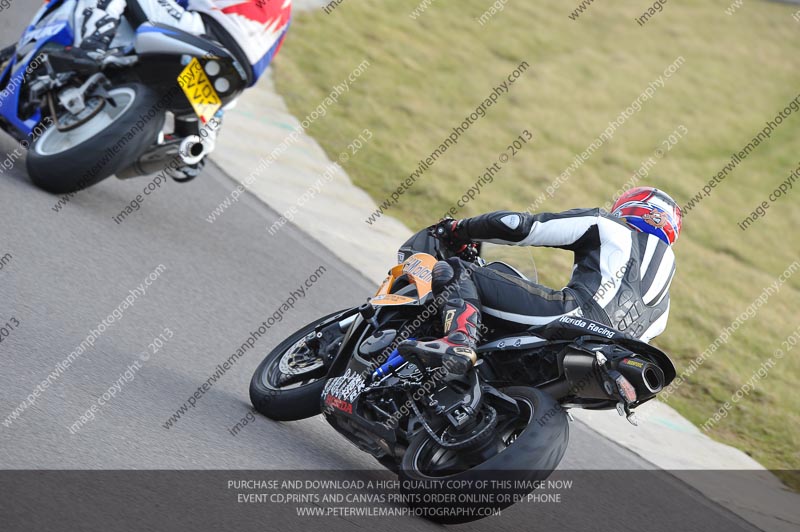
pixel 506 420
pixel 153 103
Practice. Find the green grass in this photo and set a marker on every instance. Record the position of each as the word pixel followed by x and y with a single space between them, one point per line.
pixel 425 75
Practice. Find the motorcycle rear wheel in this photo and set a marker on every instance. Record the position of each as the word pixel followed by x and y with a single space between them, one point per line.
pixel 67 161
pixel 533 448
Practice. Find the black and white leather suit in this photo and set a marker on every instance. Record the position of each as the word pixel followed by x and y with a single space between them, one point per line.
pixel 621 277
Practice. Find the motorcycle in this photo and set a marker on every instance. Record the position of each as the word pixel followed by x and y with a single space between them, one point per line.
pixel 506 420
pixel 152 104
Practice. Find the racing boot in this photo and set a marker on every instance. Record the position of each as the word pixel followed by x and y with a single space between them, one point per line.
pixel 98 26
pixel 456 351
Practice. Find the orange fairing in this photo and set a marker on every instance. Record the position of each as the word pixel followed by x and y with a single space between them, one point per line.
pixel 419 270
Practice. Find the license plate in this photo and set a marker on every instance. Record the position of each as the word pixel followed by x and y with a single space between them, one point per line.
pixel 199 91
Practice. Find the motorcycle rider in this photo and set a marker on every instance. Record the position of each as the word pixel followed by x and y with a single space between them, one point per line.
pixel 623 268
pixel 252 30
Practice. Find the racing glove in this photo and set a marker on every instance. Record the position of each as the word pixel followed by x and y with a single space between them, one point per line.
pixel 447 232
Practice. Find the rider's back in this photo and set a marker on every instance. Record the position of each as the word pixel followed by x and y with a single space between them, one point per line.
pixel 624 276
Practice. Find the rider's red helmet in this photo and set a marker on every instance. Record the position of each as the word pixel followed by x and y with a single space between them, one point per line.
pixel 650 210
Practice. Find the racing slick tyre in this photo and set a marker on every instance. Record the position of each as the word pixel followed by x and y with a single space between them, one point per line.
pixel 446 486
pixel 288 383
pixel 110 134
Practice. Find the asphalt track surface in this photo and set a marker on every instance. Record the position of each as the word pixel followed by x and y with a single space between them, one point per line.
pixel 70 269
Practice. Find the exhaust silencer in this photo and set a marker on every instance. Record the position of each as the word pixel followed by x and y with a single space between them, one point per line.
pixel 192 150
pixel 173 154
pixel 646 377
pixel 585 379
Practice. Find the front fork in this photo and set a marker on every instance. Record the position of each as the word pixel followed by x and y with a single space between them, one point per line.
pixel 326 331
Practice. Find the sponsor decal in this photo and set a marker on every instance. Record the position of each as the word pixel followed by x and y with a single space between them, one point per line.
pixel 414 266
pixel 347 387
pixel 634 363
pixel 598 329
pixel 655 218
pixel 170 8
pixel 573 321
pixel 390 299
pixel 339 404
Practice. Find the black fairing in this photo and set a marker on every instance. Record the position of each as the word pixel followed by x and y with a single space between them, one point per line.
pixel 572 328
pixel 341 400
pixel 421 242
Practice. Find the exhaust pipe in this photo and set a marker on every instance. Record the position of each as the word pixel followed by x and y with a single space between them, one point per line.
pixel 174 154
pixel 646 377
pixel 583 377
pixel 192 150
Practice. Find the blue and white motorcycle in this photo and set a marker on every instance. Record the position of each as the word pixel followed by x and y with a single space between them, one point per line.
pixel 151 104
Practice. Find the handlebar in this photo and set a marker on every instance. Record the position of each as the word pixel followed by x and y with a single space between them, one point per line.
pixel 469 252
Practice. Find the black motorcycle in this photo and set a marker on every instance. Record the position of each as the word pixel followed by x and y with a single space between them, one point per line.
pixel 151 104
pixel 505 421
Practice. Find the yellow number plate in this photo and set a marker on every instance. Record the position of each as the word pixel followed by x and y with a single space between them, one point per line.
pixel 199 91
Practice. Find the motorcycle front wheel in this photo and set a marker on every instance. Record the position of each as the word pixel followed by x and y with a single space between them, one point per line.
pixel 287 384
pixel 115 132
